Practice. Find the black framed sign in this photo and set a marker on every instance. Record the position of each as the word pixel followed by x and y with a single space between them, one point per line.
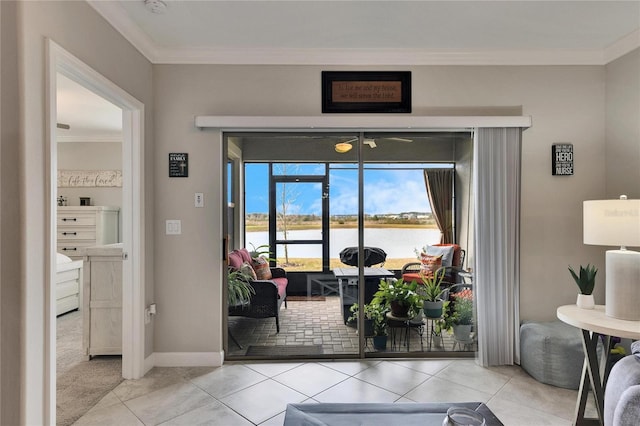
pixel 178 164
pixel 562 159
pixel 366 91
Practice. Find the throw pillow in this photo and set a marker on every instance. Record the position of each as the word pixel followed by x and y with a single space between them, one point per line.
pixel 261 266
pixel 429 264
pixel 247 270
pixel 445 251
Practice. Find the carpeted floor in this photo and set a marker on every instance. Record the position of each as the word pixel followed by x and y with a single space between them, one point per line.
pixel 80 384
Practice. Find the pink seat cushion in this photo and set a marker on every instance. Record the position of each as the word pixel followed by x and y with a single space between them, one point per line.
pixel 282 285
pixel 235 260
pixel 412 276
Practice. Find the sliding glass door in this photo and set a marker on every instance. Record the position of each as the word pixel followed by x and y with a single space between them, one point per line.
pixel 339 214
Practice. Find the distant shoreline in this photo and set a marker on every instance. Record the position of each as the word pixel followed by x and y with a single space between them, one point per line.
pixel 348 225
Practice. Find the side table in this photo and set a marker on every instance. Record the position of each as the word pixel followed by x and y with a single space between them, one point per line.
pixel 593 324
pixel 398 324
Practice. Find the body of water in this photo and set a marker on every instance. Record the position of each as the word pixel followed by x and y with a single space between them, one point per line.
pixel 396 242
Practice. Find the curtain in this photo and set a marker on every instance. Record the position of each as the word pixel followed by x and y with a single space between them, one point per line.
pixel 439 183
pixel 497 158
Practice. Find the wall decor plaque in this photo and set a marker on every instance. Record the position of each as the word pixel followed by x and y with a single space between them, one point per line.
pixel 89 178
pixel 178 164
pixel 366 91
pixel 562 159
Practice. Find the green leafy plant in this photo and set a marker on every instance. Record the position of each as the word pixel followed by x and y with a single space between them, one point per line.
pixel 400 292
pixel 374 312
pixel 261 250
pixel 445 322
pixel 463 311
pixel 431 290
pixel 586 281
pixel 239 291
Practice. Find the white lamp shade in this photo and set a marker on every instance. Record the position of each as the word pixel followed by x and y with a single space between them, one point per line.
pixel 612 222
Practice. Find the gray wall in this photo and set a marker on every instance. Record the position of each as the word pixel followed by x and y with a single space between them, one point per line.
pixel 79 29
pixel 11 349
pixel 623 126
pixel 566 103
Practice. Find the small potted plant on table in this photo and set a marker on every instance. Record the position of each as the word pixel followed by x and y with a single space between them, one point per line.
pixel 586 282
pixel 401 297
pixel 433 294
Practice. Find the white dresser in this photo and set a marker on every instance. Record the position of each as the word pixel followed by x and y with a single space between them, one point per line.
pixel 84 226
pixel 102 300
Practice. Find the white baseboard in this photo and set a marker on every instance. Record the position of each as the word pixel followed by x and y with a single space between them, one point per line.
pixel 149 363
pixel 186 359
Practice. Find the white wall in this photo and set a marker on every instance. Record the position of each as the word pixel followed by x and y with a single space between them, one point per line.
pixel 79 29
pixel 566 104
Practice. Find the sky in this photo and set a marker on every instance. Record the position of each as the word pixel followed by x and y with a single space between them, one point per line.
pixel 385 191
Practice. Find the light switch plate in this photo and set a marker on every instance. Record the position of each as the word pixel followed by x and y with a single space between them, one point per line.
pixel 199 199
pixel 174 227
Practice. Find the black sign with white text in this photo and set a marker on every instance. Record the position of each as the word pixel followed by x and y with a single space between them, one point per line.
pixel 561 159
pixel 178 164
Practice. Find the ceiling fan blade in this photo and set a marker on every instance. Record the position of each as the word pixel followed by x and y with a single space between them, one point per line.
pixel 401 139
pixel 63 126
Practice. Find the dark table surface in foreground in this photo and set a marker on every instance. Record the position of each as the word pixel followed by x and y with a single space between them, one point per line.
pixel 383 414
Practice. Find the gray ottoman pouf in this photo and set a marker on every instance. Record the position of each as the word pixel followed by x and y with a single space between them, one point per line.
pixel 551 352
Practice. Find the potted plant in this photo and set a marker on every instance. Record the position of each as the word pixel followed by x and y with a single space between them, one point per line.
pixel 401 297
pixel 375 324
pixel 432 294
pixel 444 323
pixel 586 282
pixel 239 290
pixel 462 317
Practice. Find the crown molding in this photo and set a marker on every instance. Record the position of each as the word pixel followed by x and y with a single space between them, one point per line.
pixel 621 47
pixel 116 15
pixel 380 57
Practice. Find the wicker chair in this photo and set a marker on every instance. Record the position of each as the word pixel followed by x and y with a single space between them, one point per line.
pixel 269 294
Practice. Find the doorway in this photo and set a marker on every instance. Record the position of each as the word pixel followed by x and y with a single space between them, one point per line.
pixel 131 212
pixel 374 190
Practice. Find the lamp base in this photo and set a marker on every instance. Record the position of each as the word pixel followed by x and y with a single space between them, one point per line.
pixel 623 285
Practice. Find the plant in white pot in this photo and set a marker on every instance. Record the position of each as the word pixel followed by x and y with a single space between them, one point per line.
pixel 586 282
pixel 463 316
pixel 433 294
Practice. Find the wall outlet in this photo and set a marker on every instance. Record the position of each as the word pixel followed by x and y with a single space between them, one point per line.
pixel 199 199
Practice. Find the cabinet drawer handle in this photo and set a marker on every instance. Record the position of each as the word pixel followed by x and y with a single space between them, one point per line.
pixel 69 233
pixel 65 219
pixel 69 249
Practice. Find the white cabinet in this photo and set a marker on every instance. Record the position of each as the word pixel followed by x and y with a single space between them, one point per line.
pixel 102 300
pixel 84 226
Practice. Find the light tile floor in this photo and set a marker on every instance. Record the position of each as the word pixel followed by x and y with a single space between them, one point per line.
pixel 258 393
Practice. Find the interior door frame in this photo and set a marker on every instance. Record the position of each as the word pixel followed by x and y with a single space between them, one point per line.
pixel 61 61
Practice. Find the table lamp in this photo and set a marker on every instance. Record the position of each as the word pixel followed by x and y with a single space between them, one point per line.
pixel 617 223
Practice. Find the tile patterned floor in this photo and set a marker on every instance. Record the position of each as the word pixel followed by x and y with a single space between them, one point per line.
pixel 321 323
pixel 258 393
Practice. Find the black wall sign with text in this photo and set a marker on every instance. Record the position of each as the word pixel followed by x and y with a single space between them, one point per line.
pixel 562 159
pixel 178 164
